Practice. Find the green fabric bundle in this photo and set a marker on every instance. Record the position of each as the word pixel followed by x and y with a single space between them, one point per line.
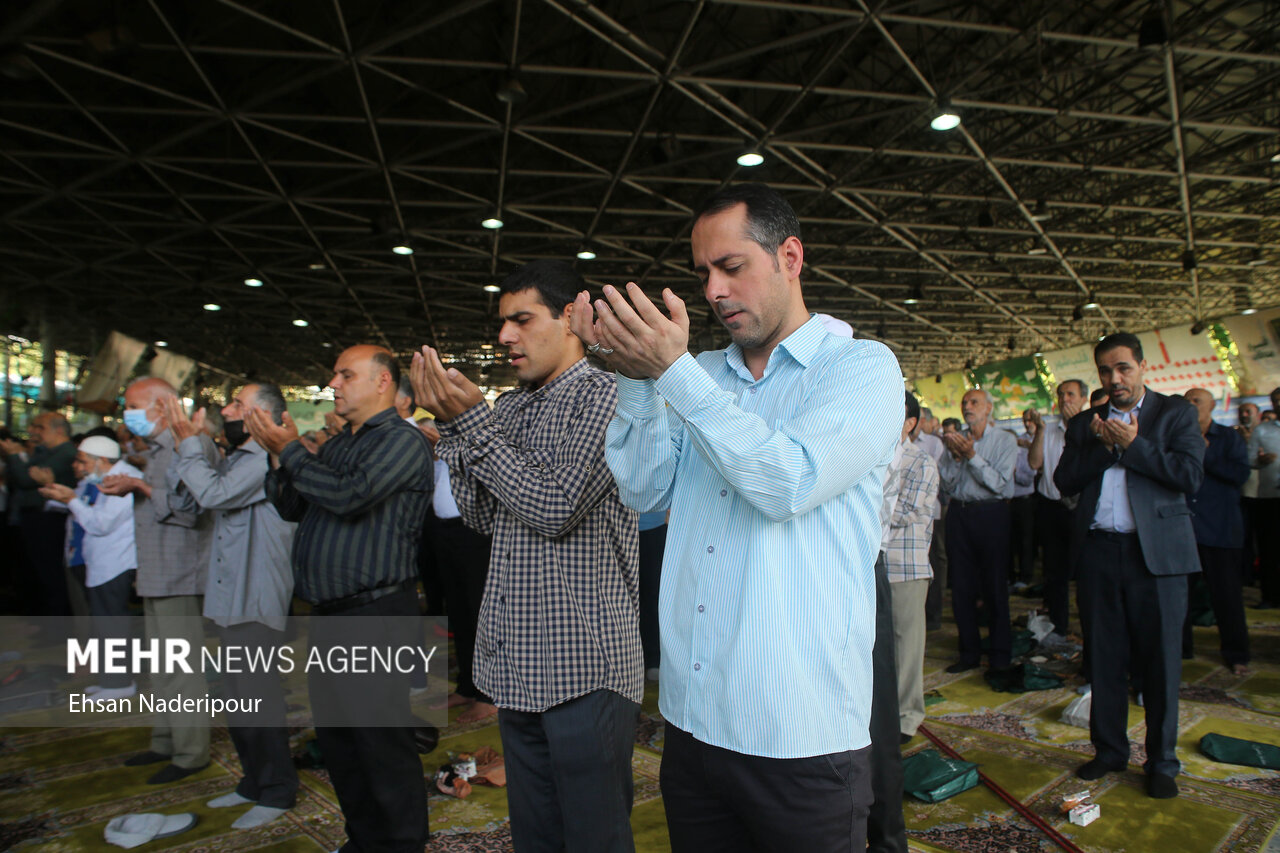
pixel 1232 750
pixel 932 777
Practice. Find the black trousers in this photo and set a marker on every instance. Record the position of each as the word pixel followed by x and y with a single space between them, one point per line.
pixel 1222 571
pixel 109 617
pixel 1022 538
pixel 652 544
pixel 886 828
pixel 1267 518
pixel 462 556
pixel 1249 552
pixel 44 537
pixel 1053 522
pixel 569 779
pixel 978 556
pixel 261 739
pixel 1136 625
pixel 375 770
pixel 720 801
pixel 938 561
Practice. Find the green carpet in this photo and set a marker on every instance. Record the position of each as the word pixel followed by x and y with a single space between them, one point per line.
pixel 60 786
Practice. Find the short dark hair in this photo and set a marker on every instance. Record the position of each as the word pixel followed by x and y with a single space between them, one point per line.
pixel 385 360
pixel 557 283
pixel 60 423
pixel 104 431
pixel 770 219
pixel 406 387
pixel 913 407
pixel 1274 390
pixel 1079 383
pixel 955 422
pixel 1097 395
pixel 270 399
pixel 1116 341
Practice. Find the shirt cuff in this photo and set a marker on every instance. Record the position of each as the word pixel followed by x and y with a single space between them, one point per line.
pixel 977 461
pixel 289 456
pixel 473 418
pixel 685 385
pixel 189 446
pixel 638 398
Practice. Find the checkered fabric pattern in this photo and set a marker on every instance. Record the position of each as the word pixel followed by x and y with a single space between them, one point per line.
pixel 171 533
pixel 360 504
pixel 911 526
pixel 560 616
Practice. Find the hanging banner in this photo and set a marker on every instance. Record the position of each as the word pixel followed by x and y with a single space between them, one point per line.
pixel 1258 341
pixel 1073 363
pixel 1015 385
pixel 105 376
pixel 172 368
pixel 941 394
pixel 1178 361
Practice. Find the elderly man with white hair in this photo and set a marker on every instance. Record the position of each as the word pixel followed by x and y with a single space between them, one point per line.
pixel 173 539
pixel 110 555
pixel 977 476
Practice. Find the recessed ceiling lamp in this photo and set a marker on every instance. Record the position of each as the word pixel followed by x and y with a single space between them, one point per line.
pixel 162 343
pixel 750 158
pixel 492 288
pixel 493 223
pixel 917 295
pixel 1092 302
pixel 1249 311
pixel 316 265
pixel 326 345
pixel 402 248
pixel 300 323
pixel 585 254
pixel 253 282
pixel 946 118
pixel 212 306
pixel 486 346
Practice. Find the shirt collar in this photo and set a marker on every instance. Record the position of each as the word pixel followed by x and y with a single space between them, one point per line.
pixel 382 417
pixel 574 370
pixel 1112 412
pixel 802 345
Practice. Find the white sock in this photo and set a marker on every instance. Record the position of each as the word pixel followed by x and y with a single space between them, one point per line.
pixel 227 800
pixel 257 816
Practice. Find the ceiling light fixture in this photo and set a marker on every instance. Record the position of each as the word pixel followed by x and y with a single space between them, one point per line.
pixel 511 92
pixel 212 306
pixel 1255 257
pixel 946 118
pixel 585 254
pixel 1092 302
pixel 492 288
pixel 750 158
pixel 402 248
pixel 1037 250
pixel 493 223
pixel 162 343
pixel 916 296
pixel 1188 260
pixel 300 323
pixel 316 265
pixel 1041 213
pixel 253 282
pixel 1246 312
pixel 1275 158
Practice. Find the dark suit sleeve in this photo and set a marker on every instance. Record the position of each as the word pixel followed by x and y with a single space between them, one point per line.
pixel 1174 455
pixel 1227 460
pixel 1084 458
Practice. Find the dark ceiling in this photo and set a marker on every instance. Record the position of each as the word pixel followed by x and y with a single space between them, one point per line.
pixel 154 155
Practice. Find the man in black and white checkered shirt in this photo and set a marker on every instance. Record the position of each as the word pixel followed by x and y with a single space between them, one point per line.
pixel 558 640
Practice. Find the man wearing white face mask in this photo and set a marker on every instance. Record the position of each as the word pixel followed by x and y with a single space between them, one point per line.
pixel 173 557
pixel 110 556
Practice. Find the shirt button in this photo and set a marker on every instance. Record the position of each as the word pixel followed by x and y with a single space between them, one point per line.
pixel 711 549
pixel 724 492
pixel 701 607
pixel 697 666
pixel 753 390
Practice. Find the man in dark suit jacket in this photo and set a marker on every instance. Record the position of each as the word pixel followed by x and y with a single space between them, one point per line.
pixel 1133 463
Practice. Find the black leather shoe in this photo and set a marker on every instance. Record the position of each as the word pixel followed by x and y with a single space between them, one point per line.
pixel 172 773
pixel 1096 769
pixel 1161 787
pixel 904 739
pixel 144 758
pixel 961 666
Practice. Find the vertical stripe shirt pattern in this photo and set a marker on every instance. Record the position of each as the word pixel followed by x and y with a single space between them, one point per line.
pixel 774 486
pixel 1055 439
pixel 359 505
pixel 911 526
pixel 989 474
pixel 560 614
pixel 171 534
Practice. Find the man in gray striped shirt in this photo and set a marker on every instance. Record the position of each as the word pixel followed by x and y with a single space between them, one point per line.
pixel 359 503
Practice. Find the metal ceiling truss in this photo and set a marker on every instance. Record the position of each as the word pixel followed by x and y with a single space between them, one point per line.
pixel 153 156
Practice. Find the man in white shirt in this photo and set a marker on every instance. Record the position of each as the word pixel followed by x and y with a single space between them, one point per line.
pixel 1053 513
pixel 110 555
pixel 1264 449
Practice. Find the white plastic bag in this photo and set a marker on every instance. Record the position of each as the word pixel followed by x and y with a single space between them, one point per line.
pixel 1077 713
pixel 1039 625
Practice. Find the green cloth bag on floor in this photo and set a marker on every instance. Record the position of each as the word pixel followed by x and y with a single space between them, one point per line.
pixel 1233 750
pixel 931 776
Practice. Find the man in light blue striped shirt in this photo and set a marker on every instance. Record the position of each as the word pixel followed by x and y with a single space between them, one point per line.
pixel 771 455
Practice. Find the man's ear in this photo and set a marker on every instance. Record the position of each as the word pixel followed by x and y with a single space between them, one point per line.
pixel 791 256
